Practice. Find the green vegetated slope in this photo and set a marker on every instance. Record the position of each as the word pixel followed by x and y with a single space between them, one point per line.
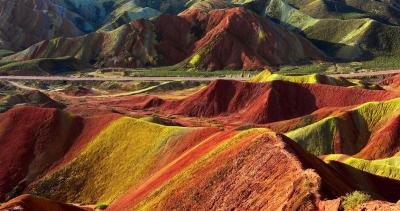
pixel 349 34
pixel 110 14
pixel 107 14
pixel 347 132
pixel 4 53
pixel 348 9
pixel 111 48
pixel 128 12
pixel 388 167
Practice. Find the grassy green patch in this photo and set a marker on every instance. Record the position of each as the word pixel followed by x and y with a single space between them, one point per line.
pixel 379 63
pixel 246 127
pixel 4 53
pixel 101 206
pixel 355 198
pixel 307 69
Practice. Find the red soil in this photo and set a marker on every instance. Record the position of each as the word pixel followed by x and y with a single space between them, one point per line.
pixel 269 102
pixel 78 91
pixel 230 38
pixel 255 173
pixel 33 203
pixel 26 135
pixel 134 195
pixel 393 82
pixel 177 147
pixel 384 143
pixel 232 103
pixel 136 102
pixel 329 205
pixel 237 103
pixel 378 205
pixel 175 40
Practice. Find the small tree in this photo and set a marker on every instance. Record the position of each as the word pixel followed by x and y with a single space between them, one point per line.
pixel 101 206
pixel 355 198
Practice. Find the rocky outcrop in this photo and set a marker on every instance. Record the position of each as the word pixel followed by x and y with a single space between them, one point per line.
pixel 33 98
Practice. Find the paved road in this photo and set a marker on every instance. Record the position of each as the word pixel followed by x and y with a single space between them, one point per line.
pixel 66 78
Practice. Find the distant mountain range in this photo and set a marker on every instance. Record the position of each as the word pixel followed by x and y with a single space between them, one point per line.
pixel 204 35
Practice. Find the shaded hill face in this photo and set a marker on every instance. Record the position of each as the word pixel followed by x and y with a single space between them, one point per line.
pixel 23 155
pixel 44 66
pixel 358 131
pixel 33 21
pixel 365 31
pixel 233 38
pixel 22 158
pixel 376 175
pixel 123 47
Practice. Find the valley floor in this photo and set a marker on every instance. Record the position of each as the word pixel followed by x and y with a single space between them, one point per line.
pixel 274 142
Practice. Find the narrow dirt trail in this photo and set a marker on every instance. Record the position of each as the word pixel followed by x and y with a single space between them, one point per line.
pixel 367 74
pixel 21 86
